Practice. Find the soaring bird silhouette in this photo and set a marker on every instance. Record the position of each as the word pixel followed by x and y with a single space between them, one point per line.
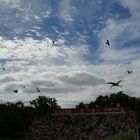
pixel 108 43
pixel 66 75
pixel 3 68
pixel 113 84
pixel 53 41
pixel 16 90
pixel 37 89
pixel 129 72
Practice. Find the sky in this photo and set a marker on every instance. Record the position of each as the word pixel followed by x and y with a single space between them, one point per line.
pixel 77 66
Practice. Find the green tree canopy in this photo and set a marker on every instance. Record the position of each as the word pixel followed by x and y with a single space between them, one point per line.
pixel 44 105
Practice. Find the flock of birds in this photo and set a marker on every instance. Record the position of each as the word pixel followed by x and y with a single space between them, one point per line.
pixel 113 84
pixel 38 90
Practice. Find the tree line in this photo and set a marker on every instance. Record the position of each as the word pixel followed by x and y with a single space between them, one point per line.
pixel 16 117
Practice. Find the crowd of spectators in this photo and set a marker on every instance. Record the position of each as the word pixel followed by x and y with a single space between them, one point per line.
pixel 86 126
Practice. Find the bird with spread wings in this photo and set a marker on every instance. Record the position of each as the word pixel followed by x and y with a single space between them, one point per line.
pixel 113 84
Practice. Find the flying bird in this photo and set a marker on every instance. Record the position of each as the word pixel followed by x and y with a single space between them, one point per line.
pixel 16 90
pixel 113 84
pixel 66 75
pixel 53 41
pixel 108 43
pixel 37 89
pixel 129 72
pixel 3 68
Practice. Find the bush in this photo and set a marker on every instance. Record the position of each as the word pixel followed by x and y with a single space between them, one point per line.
pixel 129 135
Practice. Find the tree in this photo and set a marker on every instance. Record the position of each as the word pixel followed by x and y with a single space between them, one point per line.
pixel 44 105
pixel 81 105
pixel 19 105
pixel 12 120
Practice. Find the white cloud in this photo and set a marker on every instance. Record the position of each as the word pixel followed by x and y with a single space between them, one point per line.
pixel 9 4
pixel 38 63
pixel 19 16
pixel 65 11
pixel 134 6
pixel 121 34
pixel 46 68
pixel 124 55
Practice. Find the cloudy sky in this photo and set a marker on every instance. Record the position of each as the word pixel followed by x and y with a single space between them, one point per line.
pixel 77 66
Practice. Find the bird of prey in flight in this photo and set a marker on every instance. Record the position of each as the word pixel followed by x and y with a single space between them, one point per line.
pixel 129 72
pixel 53 41
pixel 108 43
pixel 3 68
pixel 16 90
pixel 113 84
pixel 37 89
